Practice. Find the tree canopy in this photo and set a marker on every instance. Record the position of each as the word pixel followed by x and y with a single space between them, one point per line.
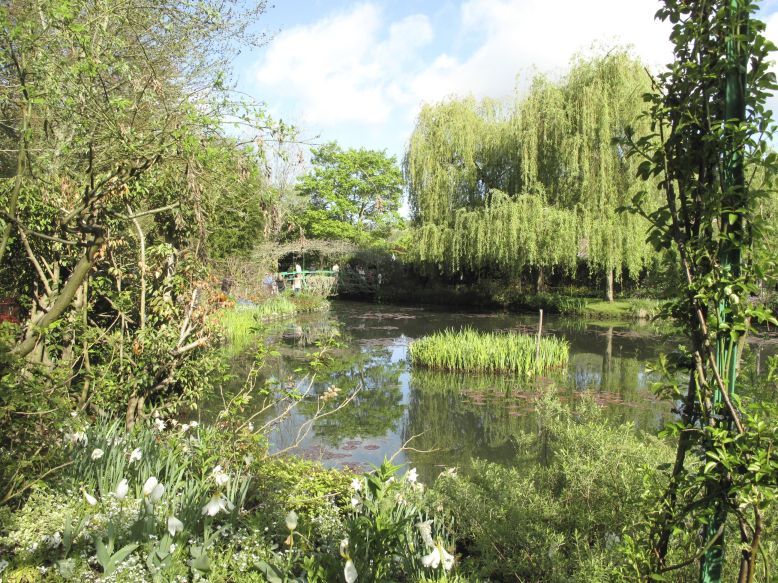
pixel 353 194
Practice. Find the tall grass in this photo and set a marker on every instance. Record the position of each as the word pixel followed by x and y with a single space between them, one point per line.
pixel 489 352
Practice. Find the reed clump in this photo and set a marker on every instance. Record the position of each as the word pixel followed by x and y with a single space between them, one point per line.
pixel 469 350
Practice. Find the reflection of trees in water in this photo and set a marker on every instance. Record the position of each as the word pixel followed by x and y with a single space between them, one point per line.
pixel 463 416
pixel 375 410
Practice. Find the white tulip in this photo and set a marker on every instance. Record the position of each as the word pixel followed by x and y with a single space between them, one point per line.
pixel 174 525
pixel 291 520
pixel 122 489
pixel 136 455
pixel 350 571
pixel 157 493
pixel 149 486
pixel 89 498
pixel 356 501
pixel 438 555
pixel 344 548
pixel 97 453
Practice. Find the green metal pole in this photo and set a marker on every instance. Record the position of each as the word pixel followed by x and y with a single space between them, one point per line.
pixel 734 184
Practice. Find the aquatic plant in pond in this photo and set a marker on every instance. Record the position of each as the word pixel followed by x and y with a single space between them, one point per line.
pixel 489 352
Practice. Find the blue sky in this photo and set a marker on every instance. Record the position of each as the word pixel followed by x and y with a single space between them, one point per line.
pixel 358 72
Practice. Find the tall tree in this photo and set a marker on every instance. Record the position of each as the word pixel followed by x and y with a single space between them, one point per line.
pixel 708 140
pixel 354 194
pixel 555 144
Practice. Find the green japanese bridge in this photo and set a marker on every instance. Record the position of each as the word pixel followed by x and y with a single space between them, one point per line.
pixel 345 282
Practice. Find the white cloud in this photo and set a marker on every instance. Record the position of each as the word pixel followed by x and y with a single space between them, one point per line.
pixel 523 36
pixel 345 68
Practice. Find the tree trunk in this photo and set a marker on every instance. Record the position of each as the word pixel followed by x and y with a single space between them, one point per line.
pixel 609 285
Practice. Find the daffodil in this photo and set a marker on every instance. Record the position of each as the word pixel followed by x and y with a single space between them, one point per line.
pixel 350 572
pixel 122 489
pixel 174 525
pixel 97 453
pixel 136 455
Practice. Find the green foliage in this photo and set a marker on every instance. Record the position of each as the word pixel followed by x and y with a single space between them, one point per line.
pixel 354 195
pixel 560 516
pixel 533 184
pixel 490 352
pixel 708 151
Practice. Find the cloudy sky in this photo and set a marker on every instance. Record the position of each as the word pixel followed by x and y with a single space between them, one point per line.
pixel 358 72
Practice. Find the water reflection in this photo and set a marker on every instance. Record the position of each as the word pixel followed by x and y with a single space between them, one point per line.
pixel 449 418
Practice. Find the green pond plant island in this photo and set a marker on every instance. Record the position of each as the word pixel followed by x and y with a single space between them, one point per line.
pixel 469 350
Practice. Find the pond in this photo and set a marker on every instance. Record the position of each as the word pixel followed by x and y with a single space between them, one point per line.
pixel 443 419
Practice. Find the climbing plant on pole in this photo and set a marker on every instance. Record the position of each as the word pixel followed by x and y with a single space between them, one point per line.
pixel 708 141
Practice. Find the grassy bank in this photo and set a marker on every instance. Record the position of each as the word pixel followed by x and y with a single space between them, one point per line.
pixel 469 350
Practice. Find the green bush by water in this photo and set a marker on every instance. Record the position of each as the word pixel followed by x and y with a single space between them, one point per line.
pixel 489 352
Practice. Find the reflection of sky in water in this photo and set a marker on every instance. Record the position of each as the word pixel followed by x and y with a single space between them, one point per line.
pixel 455 416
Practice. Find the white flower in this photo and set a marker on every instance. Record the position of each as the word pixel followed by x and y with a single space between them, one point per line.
pixel 159 424
pixel 185 427
pixel 344 548
pixel 78 437
pixel 291 520
pixel 157 493
pixel 251 427
pixel 122 489
pixel 97 453
pixel 193 424
pixel 216 504
pixel 350 571
pixel 356 484
pixel 174 525
pixel 53 541
pixel 136 455
pixel 425 529
pixel 172 548
pixel 74 413
pixel 411 475
pixel 220 476
pixel 149 486
pixel 438 555
pixel 356 501
pixel 89 498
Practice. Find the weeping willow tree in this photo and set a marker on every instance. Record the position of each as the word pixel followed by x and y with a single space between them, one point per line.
pixel 535 183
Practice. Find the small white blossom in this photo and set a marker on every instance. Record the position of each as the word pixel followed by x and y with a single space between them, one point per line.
pixel 356 484
pixel 122 489
pixel 350 572
pixel 185 428
pixel 436 557
pixel 220 476
pixel 356 501
pixel 159 425
pixel 412 475
pixel 193 424
pixel 425 529
pixel 291 520
pixel 136 455
pixel 216 504
pixel 97 453
pixel 344 548
pixel 53 541
pixel 174 525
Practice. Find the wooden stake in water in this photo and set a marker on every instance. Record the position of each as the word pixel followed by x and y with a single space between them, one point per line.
pixel 537 344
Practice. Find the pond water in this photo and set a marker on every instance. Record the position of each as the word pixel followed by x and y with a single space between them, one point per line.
pixel 449 418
